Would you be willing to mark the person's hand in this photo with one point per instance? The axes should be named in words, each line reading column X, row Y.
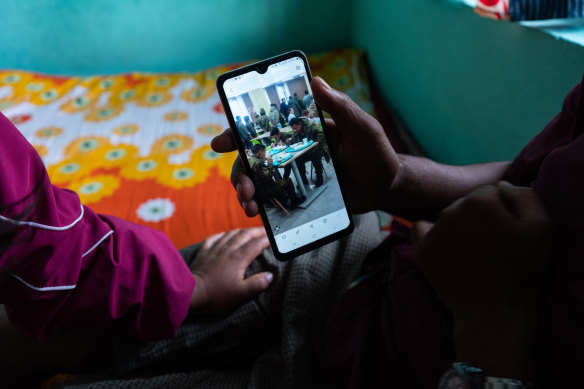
column 485, row 259
column 367, row 163
column 219, row 269
column 270, row 160
column 289, row 141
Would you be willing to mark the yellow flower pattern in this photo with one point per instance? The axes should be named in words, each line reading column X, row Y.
column 176, row 116
column 69, row 170
column 126, row 129
column 199, row 93
column 182, row 176
column 85, row 146
column 154, row 98
column 112, row 156
column 49, row 132
column 101, row 114
column 94, row 189
column 172, row 144
column 210, row 129
column 143, row 168
column 112, row 131
column 206, row 158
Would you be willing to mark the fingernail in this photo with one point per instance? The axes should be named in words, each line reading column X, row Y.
column 238, row 187
column 243, row 204
column 269, row 277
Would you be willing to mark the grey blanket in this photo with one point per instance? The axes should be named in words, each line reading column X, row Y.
column 265, row 343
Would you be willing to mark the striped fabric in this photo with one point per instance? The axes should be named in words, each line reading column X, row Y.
column 545, row 9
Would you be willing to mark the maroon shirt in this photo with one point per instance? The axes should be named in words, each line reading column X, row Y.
column 390, row 331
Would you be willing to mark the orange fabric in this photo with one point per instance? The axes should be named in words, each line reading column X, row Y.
column 136, row 145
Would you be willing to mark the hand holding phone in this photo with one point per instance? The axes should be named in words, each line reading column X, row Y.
column 365, row 157
column 299, row 213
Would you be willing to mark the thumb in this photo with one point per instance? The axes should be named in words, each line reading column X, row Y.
column 340, row 106
column 256, row 284
column 224, row 142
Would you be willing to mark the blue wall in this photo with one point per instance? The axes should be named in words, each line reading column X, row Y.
column 84, row 37
column 470, row 89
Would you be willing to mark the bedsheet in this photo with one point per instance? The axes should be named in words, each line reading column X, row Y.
column 137, row 145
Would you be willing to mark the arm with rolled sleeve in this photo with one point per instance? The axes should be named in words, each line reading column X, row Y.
column 68, row 268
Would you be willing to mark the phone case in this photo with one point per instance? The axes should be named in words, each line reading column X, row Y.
column 261, row 68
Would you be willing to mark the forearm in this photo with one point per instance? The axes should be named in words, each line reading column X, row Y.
column 423, row 187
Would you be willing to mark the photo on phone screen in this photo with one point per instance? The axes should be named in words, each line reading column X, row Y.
column 282, row 133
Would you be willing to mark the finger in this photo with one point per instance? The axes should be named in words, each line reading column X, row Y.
column 241, row 182
column 250, row 208
column 522, row 202
column 224, row 143
column 333, row 133
column 330, row 124
column 419, row 231
column 340, row 106
column 251, row 249
column 210, row 241
column 219, row 245
column 256, row 284
column 239, row 239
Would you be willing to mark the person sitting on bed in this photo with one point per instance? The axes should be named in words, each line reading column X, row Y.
column 487, row 281
column 66, row 269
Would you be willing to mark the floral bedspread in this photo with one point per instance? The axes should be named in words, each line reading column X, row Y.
column 137, row 145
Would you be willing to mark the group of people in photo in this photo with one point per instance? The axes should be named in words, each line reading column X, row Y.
column 295, row 121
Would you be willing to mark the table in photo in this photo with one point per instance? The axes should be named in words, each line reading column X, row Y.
column 267, row 134
column 313, row 193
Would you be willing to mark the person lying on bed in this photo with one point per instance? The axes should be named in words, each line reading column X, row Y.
column 65, row 268
column 489, row 283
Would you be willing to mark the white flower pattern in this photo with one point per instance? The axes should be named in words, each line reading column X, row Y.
column 156, row 210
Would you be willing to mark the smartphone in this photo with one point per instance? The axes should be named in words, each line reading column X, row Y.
column 285, row 151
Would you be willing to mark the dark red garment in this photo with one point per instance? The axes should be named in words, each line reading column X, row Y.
column 391, row 332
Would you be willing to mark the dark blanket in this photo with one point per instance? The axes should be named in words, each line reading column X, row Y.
column 267, row 342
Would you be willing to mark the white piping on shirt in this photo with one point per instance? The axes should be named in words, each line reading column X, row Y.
column 98, row 242
column 63, row 287
column 45, row 288
column 44, row 226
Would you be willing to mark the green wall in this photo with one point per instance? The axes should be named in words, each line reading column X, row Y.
column 84, row 37
column 469, row 89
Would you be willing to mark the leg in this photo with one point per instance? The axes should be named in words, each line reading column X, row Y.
column 301, row 163
column 287, row 186
column 287, row 170
column 318, row 168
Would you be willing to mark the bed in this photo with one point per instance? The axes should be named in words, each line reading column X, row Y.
column 137, row 146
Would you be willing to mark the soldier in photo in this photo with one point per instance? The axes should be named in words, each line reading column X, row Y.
column 280, row 138
column 250, row 126
column 243, row 132
column 268, row 185
column 305, row 128
column 264, row 120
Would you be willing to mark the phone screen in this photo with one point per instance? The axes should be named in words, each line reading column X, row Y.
column 282, row 133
